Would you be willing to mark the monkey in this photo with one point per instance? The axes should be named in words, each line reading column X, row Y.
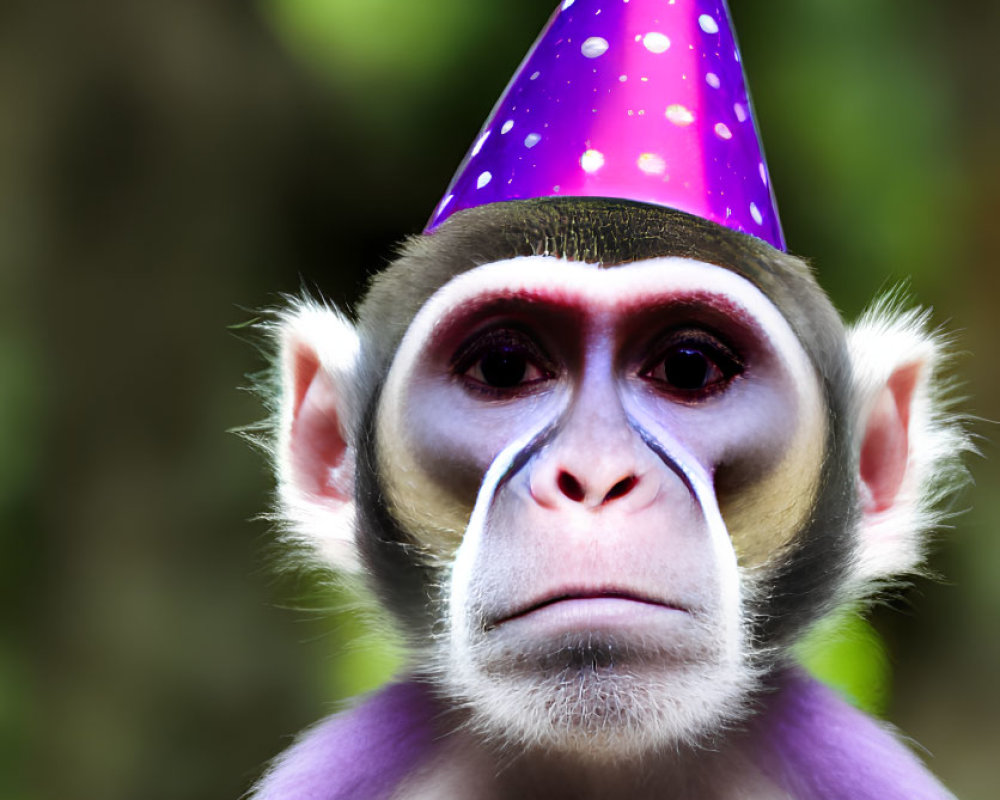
column 604, row 460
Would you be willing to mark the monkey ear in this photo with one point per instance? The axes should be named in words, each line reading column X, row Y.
column 910, row 445
column 316, row 422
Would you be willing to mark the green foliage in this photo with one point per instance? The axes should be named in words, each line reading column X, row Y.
column 847, row 654
column 366, row 660
column 860, row 124
column 345, row 41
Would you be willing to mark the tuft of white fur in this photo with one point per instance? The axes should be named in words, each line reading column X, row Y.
column 605, row 713
column 313, row 524
column 888, row 337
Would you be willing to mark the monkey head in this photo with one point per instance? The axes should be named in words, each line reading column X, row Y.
column 605, row 462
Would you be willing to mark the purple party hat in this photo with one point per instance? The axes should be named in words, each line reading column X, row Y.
column 631, row 99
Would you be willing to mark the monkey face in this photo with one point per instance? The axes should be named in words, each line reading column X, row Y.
column 602, row 460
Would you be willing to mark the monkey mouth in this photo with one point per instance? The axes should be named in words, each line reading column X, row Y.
column 603, row 604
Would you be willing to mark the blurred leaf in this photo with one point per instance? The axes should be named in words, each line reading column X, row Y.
column 366, row 660
column 847, row 654
column 348, row 40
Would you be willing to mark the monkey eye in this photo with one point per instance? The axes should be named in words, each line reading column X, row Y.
column 693, row 364
column 502, row 361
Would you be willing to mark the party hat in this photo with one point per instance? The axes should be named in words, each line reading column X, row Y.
column 632, row 99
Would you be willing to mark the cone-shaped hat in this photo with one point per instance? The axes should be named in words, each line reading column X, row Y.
column 632, row 99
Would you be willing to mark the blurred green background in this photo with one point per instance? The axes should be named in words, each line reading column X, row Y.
column 168, row 168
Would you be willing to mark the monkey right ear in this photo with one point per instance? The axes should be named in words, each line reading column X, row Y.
column 911, row 443
column 316, row 423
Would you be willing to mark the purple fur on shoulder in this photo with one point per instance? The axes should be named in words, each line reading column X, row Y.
column 821, row 749
column 360, row 754
column 827, row 750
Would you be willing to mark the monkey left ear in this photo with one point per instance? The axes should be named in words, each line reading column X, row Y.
column 910, row 446
column 315, row 449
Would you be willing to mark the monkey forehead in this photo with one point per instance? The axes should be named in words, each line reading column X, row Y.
column 594, row 289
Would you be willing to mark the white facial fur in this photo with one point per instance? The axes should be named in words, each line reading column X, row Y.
column 574, row 622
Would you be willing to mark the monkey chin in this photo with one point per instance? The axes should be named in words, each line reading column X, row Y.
column 595, row 697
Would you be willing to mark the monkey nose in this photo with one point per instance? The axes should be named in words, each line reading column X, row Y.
column 595, row 461
column 571, row 488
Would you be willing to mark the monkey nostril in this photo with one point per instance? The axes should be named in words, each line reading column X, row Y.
column 623, row 487
column 570, row 487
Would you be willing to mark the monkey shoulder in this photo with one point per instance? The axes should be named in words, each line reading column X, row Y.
column 822, row 748
column 808, row 741
column 362, row 753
